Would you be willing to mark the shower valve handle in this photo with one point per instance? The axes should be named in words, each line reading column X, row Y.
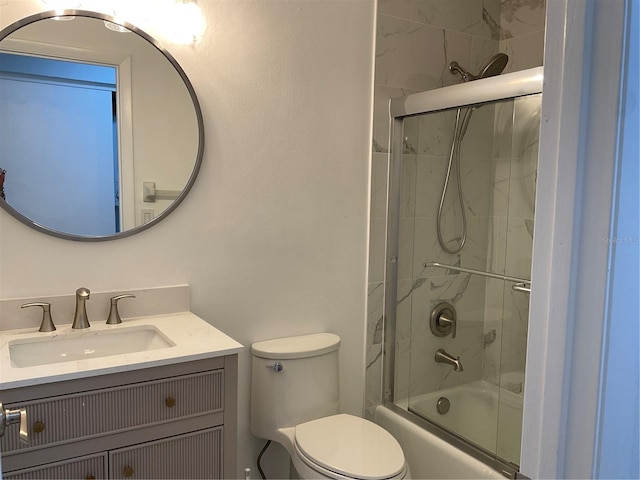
column 446, row 321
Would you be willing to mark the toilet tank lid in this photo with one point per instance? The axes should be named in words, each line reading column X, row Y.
column 302, row 346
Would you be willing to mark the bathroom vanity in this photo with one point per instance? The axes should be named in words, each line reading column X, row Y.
column 167, row 412
column 175, row 421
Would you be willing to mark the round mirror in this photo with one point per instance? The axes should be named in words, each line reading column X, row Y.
column 101, row 133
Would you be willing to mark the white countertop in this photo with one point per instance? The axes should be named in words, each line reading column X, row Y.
column 194, row 339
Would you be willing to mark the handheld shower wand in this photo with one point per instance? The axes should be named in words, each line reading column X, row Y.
column 494, row 66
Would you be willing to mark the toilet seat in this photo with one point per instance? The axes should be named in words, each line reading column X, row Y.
column 348, row 447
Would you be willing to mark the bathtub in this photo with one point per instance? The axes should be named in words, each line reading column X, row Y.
column 473, row 413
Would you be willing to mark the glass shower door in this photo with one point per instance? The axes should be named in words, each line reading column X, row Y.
column 464, row 370
column 518, row 248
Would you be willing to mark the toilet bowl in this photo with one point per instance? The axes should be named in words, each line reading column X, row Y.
column 345, row 446
column 294, row 401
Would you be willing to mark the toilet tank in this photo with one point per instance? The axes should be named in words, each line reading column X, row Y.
column 293, row 380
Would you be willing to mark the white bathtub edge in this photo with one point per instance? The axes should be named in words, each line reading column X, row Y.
column 429, row 456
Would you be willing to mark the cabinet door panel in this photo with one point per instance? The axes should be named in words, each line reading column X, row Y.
column 90, row 467
column 193, row 455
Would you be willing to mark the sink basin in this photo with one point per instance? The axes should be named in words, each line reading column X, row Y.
column 69, row 347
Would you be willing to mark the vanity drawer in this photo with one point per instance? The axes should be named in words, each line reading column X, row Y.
column 193, row 455
column 89, row 467
column 90, row 414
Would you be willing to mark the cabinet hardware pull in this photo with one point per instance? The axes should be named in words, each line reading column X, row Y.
column 170, row 402
column 38, row 427
column 128, row 472
column 9, row 417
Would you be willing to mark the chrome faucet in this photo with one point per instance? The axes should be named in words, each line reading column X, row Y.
column 444, row 357
column 80, row 319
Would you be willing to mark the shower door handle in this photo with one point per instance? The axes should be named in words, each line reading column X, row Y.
column 521, row 287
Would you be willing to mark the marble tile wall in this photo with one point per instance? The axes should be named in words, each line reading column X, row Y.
column 522, row 33
column 416, row 41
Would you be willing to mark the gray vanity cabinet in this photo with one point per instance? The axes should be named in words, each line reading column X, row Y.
column 174, row 421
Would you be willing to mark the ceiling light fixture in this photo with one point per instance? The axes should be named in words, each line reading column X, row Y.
column 62, row 4
column 182, row 21
column 179, row 21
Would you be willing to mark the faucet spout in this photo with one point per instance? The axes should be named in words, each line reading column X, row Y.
column 80, row 319
column 443, row 357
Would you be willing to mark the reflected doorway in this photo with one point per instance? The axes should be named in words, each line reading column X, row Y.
column 49, row 99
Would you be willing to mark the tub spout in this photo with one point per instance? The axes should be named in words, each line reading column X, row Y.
column 444, row 357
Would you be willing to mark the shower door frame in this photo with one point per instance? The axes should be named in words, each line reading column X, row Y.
column 502, row 87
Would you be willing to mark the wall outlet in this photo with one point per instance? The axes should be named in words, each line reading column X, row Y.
column 147, row 215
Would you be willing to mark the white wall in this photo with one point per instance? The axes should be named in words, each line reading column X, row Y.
column 273, row 236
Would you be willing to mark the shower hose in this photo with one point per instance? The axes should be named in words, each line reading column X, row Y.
column 454, row 157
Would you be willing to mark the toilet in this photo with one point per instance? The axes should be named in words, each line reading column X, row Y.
column 294, row 401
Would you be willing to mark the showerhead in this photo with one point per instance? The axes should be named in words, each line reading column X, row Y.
column 494, row 66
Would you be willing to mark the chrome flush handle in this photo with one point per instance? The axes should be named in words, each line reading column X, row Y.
column 278, row 367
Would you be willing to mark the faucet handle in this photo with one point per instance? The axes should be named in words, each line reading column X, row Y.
column 114, row 314
column 46, row 325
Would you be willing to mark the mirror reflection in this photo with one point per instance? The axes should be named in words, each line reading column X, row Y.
column 100, row 132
